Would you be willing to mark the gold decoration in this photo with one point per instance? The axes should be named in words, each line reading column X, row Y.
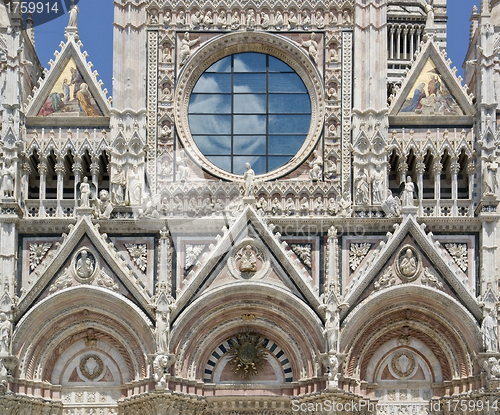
column 403, row 364
column 248, row 317
column 248, row 354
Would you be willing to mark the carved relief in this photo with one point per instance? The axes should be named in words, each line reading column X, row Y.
column 191, row 254
column 65, row 280
column 403, row 364
column 357, row 253
column 430, row 279
column 386, row 280
column 107, row 281
column 139, row 254
column 37, row 253
column 91, row 366
column 84, row 265
column 249, row 260
column 459, row 254
column 408, row 263
column 303, row 252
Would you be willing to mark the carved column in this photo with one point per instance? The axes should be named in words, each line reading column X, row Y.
column 42, row 170
column 391, row 50
column 454, row 168
column 402, row 169
column 471, row 169
column 436, row 170
column 165, row 256
column 332, row 251
column 60, row 170
column 25, row 180
column 405, row 42
column 398, row 43
column 412, row 42
column 420, row 169
column 78, row 171
column 94, row 169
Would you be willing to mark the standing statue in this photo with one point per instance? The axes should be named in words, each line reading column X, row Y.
column 8, row 174
column 407, row 193
column 5, row 334
column 489, row 332
column 312, row 46
column 316, row 166
column 490, row 180
column 430, row 15
column 362, row 188
column 162, row 330
column 331, row 330
column 377, row 186
column 85, row 193
column 134, row 188
column 249, row 184
column 117, row 185
column 183, row 171
column 73, row 15
column 186, row 48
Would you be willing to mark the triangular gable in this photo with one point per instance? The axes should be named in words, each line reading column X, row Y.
column 287, row 259
column 104, row 248
column 436, row 254
column 431, row 93
column 83, row 101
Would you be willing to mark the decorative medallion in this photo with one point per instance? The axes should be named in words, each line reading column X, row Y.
column 408, row 263
column 248, row 260
column 84, row 265
column 248, row 354
column 403, row 364
column 91, row 366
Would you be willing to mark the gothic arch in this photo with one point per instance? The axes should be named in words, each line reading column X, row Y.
column 434, row 318
column 66, row 318
column 217, row 315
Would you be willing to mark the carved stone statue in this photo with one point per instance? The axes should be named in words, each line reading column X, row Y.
column 162, row 331
column 73, row 15
column 104, row 206
column 85, row 193
column 185, row 50
column 264, row 20
column 362, row 189
column 5, row 334
column 235, row 21
column 490, row 179
column 183, row 171
column 250, row 19
column 320, row 20
column 377, row 186
column 134, row 188
column 196, row 20
column 278, row 20
column 118, row 185
column 316, row 166
column 292, row 20
column 407, row 195
column 249, row 178
column 8, row 174
column 332, row 329
column 161, row 366
column 408, row 264
column 391, row 206
column 306, row 20
column 430, row 15
column 248, row 261
column 85, row 265
column 312, row 46
column 489, row 332
column 221, row 20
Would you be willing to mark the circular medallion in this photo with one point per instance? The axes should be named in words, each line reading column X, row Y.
column 408, row 263
column 84, row 265
column 91, row 366
column 248, row 260
column 403, row 364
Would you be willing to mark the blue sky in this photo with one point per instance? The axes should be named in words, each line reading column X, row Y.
column 96, row 33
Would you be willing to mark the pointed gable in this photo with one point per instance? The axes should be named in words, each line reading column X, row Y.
column 432, row 265
column 431, row 93
column 70, row 94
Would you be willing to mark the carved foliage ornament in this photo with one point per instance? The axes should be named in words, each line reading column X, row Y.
column 303, row 252
column 91, row 366
column 357, row 253
column 248, row 354
column 192, row 252
column 139, row 254
column 37, row 253
column 459, row 254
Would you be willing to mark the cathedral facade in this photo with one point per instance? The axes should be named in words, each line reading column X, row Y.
column 286, row 207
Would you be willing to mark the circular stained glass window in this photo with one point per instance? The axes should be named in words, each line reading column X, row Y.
column 249, row 107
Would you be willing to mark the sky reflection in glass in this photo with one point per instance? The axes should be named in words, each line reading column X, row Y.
column 249, row 107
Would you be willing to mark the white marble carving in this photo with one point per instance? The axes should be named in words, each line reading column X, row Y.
column 37, row 253
column 357, row 252
column 192, row 253
column 139, row 254
column 303, row 252
column 459, row 254
column 386, row 280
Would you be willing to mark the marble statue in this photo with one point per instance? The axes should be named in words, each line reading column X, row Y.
column 248, row 260
column 407, row 195
column 73, row 15
column 183, row 170
column 104, row 206
column 490, row 180
column 362, row 188
column 391, row 206
column 85, row 265
column 332, row 329
column 312, row 46
column 264, row 20
column 5, row 334
column 292, row 20
column 250, row 19
column 249, row 181
column 377, row 186
column 489, row 332
column 85, row 193
column 7, row 175
column 162, row 330
column 320, row 20
column 134, row 188
column 316, row 166
column 430, row 15
column 185, row 49
column 118, row 183
column 408, row 265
